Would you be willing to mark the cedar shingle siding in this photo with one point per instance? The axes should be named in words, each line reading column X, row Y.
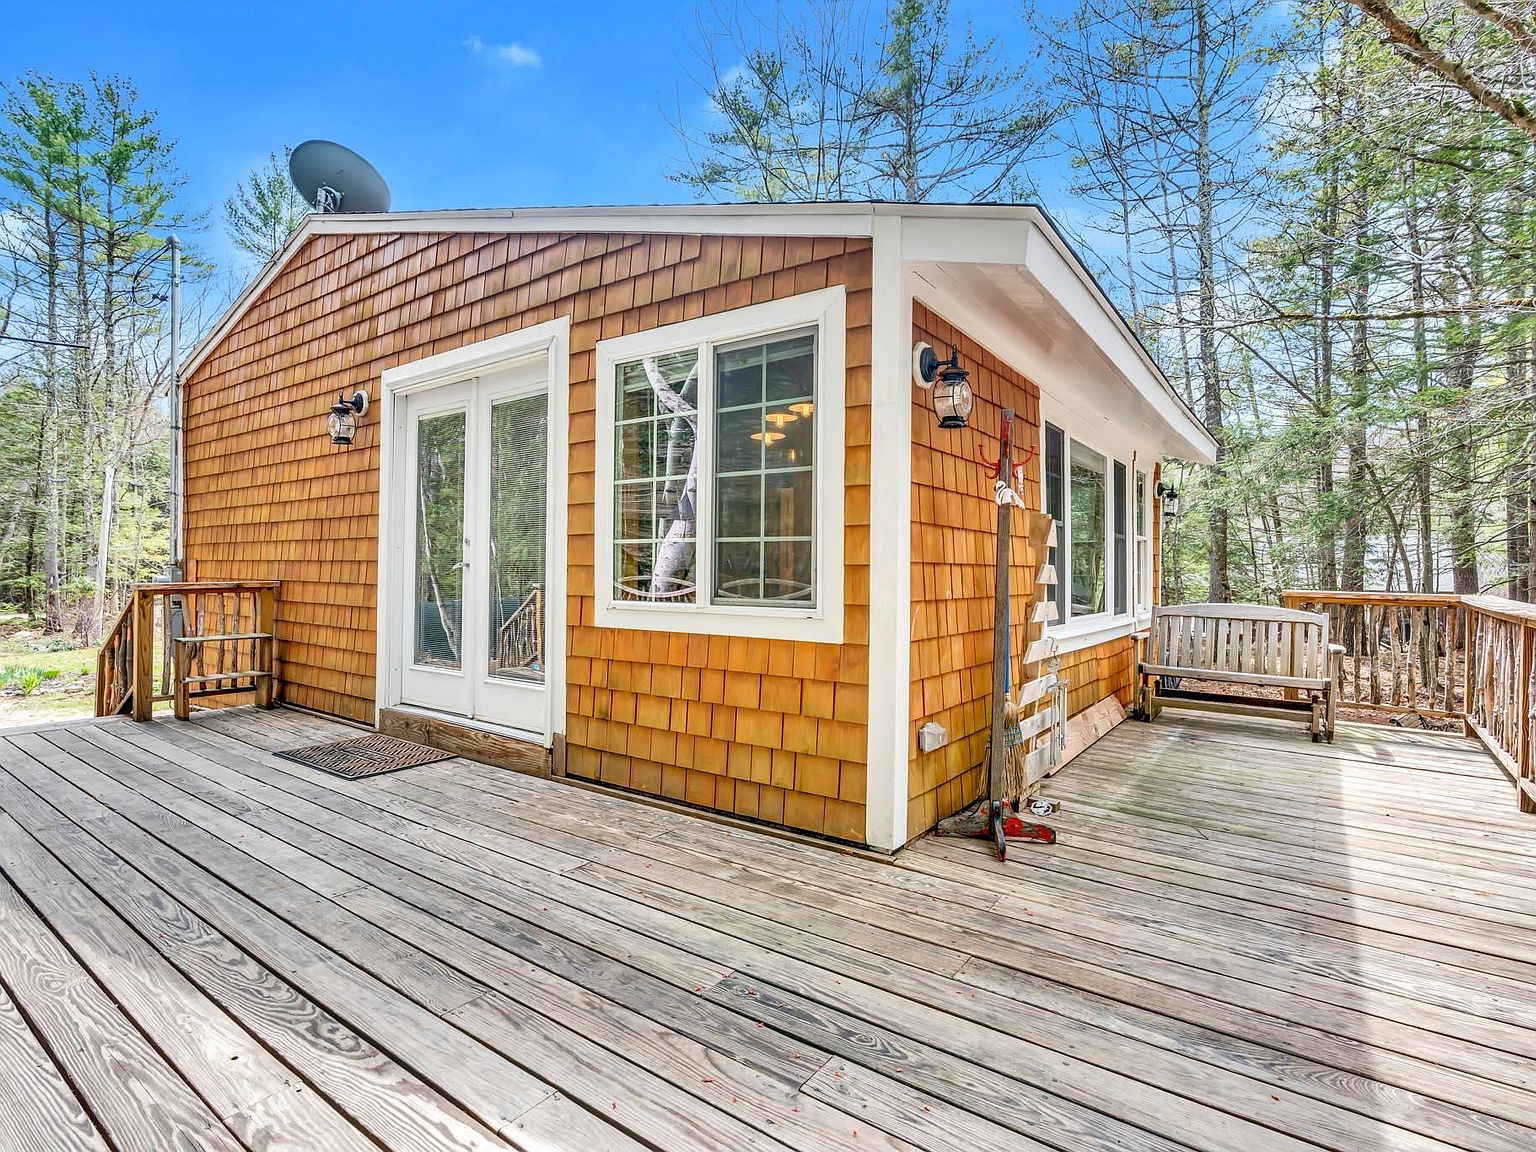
column 770, row 729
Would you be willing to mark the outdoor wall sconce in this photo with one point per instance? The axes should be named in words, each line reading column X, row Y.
column 952, row 399
column 341, row 424
column 1170, row 498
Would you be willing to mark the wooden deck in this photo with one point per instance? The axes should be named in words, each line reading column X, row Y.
column 1243, row 941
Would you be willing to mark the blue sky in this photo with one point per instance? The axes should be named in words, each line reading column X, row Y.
column 459, row 104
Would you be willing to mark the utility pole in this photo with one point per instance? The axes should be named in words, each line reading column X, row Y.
column 175, row 572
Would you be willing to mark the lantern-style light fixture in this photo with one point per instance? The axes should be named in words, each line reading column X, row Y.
column 341, row 424
column 1169, row 495
column 952, row 399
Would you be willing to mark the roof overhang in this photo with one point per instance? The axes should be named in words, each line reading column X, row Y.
column 1007, row 266
column 1023, row 293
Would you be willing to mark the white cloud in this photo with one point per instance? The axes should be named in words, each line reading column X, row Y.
column 512, row 54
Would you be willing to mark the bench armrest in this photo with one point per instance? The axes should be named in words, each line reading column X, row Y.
column 1335, row 649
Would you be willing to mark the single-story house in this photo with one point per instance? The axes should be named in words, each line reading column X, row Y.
column 652, row 491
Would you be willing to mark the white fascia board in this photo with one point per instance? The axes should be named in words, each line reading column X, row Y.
column 1024, row 237
column 1061, row 275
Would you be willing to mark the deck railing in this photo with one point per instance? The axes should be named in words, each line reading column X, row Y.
column 1402, row 651
column 185, row 641
column 1470, row 659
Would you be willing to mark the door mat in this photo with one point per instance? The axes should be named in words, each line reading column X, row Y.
column 365, row 756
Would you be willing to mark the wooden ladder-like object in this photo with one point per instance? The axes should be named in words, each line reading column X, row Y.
column 1042, row 690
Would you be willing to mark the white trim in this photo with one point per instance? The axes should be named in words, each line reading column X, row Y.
column 890, row 542
column 1095, row 630
column 1066, row 280
column 1142, row 504
column 827, row 310
column 550, row 341
column 1098, row 438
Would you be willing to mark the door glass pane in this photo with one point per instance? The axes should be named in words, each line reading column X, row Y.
column 519, row 473
column 440, row 539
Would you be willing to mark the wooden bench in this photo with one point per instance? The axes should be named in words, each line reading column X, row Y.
column 1241, row 644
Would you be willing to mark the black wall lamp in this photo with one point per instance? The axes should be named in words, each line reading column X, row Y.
column 1169, row 495
column 952, row 399
column 341, row 424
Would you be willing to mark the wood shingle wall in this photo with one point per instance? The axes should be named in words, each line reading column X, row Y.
column 770, row 729
column 954, row 537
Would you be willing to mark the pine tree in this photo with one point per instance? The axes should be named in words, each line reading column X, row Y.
column 264, row 210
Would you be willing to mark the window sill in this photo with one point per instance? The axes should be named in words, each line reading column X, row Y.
column 824, row 626
column 1075, row 635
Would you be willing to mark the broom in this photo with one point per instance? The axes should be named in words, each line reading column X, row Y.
column 1015, row 773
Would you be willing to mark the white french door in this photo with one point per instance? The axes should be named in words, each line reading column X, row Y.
column 475, row 472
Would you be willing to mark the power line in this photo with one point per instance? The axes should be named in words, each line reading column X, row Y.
column 47, row 343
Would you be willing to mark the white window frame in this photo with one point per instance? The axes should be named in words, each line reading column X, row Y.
column 1107, row 538
column 1074, row 632
column 1122, row 501
column 824, row 310
column 1141, row 534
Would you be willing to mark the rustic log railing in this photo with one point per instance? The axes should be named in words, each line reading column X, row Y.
column 1401, row 650
column 186, row 641
column 520, row 640
column 1500, row 669
column 1471, row 659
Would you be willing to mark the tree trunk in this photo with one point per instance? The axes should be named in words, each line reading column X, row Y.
column 1429, row 574
column 1355, row 521
column 1210, row 371
column 1327, row 540
column 53, row 606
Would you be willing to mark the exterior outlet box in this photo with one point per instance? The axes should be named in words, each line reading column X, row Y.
column 931, row 736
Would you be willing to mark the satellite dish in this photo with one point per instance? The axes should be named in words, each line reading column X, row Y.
column 332, row 178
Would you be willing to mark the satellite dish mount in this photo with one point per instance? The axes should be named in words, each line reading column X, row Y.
column 326, row 199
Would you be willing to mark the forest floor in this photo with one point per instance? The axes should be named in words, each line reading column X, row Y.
column 42, row 678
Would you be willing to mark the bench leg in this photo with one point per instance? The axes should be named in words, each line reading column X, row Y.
column 1330, row 715
column 1317, row 718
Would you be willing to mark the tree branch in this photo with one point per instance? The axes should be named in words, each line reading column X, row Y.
column 1400, row 32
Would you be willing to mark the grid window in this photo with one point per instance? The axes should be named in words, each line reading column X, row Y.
column 655, row 497
column 764, row 453
column 751, row 477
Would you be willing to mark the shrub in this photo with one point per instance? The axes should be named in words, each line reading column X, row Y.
column 25, row 680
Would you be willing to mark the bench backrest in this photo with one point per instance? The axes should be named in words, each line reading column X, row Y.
column 1250, row 638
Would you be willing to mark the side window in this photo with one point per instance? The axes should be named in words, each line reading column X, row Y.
column 1055, row 507
column 1143, row 547
column 1121, row 550
column 1087, row 530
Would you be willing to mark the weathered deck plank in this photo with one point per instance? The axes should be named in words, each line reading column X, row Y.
column 1242, row 940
